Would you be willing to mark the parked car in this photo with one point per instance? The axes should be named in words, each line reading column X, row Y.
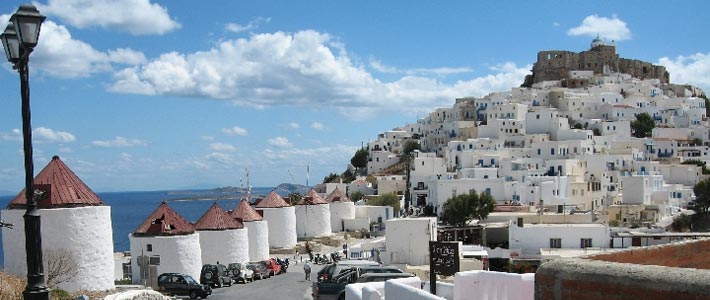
column 272, row 266
column 332, row 270
column 335, row 288
column 182, row 285
column 215, row 275
column 240, row 272
column 381, row 277
column 260, row 270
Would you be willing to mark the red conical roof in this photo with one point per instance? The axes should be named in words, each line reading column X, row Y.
column 312, row 198
column 245, row 213
column 62, row 189
column 215, row 218
column 164, row 221
column 272, row 200
column 337, row 196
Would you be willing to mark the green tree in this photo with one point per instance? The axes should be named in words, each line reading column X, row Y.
column 461, row 209
column 410, row 146
column 357, row 196
column 702, row 196
column 359, row 160
column 332, row 177
column 642, row 126
column 386, row 200
column 682, row 223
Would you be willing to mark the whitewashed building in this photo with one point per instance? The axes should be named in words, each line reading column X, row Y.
column 312, row 216
column 164, row 243
column 222, row 238
column 281, row 218
column 408, row 239
column 257, row 230
column 75, row 222
column 341, row 208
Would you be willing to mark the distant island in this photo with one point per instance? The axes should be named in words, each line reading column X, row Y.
column 234, row 193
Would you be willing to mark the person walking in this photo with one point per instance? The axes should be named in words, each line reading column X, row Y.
column 307, row 269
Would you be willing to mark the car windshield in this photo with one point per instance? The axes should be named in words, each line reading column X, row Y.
column 190, row 280
column 235, row 266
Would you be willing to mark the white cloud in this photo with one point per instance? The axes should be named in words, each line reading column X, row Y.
column 118, row 142
column 236, row 130
column 222, row 147
column 294, row 125
column 237, row 28
column 138, row 17
column 60, row 55
column 207, row 138
column 221, row 158
column 47, row 135
column 555, row 24
column 303, row 69
column 693, row 69
column 317, row 126
column 608, row 28
column 280, row 141
column 39, row 135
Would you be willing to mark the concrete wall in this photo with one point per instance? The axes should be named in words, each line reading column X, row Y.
column 84, row 232
column 224, row 246
column 179, row 254
column 689, row 254
column 482, row 285
column 400, row 289
column 408, row 240
column 313, row 220
column 340, row 211
column 258, row 233
column 282, row 226
column 374, row 212
column 595, row 279
column 357, row 224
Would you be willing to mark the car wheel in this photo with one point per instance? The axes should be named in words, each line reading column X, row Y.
column 219, row 283
column 193, row 295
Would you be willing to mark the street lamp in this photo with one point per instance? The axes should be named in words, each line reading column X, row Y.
column 19, row 39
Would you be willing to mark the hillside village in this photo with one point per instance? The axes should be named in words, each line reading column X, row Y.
column 560, row 157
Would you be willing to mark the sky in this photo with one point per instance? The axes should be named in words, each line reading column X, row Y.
column 158, row 95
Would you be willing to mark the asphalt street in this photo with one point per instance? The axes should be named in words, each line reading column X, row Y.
column 289, row 286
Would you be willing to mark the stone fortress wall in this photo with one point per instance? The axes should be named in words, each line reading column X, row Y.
column 600, row 58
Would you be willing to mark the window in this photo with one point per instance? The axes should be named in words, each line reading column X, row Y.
column 149, row 247
column 585, row 243
column 556, row 243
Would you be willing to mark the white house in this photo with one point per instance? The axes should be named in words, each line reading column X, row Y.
column 312, row 216
column 281, row 218
column 75, row 222
column 341, row 208
column 534, row 238
column 164, row 243
column 408, row 239
column 222, row 238
column 257, row 230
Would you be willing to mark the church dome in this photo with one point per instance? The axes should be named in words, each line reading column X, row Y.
column 597, row 42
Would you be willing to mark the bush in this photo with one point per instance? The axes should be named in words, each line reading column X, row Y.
column 11, row 287
column 58, row 294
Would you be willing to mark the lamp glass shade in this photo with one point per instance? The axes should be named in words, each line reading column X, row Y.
column 10, row 43
column 27, row 22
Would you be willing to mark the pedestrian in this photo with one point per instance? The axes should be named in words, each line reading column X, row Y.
column 309, row 251
column 307, row 269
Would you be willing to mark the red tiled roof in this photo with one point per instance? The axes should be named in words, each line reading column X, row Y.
column 245, row 213
column 312, row 198
column 164, row 221
column 62, row 189
column 337, row 196
column 215, row 218
column 272, row 200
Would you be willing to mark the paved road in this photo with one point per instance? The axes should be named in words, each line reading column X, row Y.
column 289, row 286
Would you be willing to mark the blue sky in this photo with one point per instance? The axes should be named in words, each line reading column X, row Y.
column 151, row 95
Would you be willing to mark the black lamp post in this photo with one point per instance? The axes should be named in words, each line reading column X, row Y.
column 19, row 39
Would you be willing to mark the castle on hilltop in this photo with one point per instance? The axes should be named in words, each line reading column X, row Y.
column 601, row 58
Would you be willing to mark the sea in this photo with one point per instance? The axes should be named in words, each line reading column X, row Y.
column 130, row 209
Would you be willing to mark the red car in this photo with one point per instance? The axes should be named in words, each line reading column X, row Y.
column 272, row 266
